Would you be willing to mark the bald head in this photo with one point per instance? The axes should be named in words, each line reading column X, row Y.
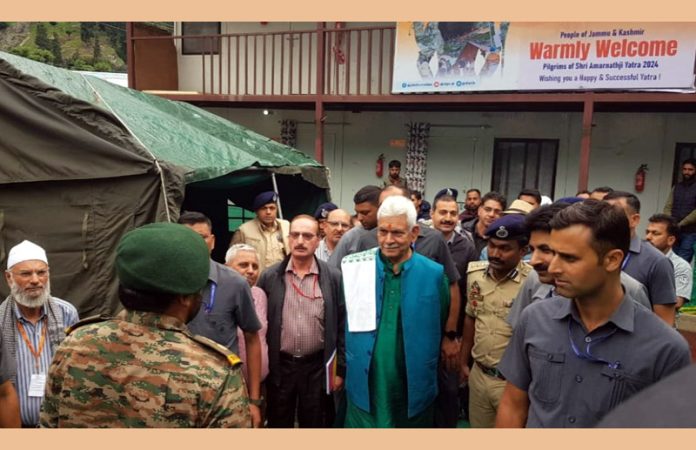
column 337, row 223
column 392, row 190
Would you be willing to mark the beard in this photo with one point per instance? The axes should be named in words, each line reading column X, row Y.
column 24, row 299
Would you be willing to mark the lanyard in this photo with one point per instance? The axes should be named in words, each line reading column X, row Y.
column 299, row 291
column 211, row 302
column 35, row 353
column 626, row 260
column 587, row 354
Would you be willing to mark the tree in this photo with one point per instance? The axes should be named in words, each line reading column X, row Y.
column 42, row 40
column 96, row 53
column 87, row 30
column 57, row 53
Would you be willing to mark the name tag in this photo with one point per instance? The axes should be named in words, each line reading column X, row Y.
column 37, row 385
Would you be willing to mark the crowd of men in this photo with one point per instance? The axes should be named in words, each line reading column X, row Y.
column 408, row 314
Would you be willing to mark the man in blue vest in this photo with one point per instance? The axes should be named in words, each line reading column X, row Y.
column 397, row 302
column 681, row 205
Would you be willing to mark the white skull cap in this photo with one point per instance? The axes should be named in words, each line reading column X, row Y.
column 26, row 251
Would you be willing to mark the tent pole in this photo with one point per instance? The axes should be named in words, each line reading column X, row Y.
column 275, row 189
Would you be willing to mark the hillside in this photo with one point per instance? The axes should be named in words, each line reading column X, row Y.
column 97, row 46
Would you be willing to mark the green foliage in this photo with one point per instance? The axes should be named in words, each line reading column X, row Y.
column 103, row 66
column 96, row 50
column 37, row 54
column 74, row 45
column 56, row 50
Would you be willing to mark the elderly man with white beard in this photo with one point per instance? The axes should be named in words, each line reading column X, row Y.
column 33, row 325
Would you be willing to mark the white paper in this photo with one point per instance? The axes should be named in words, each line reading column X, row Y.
column 37, row 385
column 359, row 289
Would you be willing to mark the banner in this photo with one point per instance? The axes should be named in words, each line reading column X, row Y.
column 505, row 56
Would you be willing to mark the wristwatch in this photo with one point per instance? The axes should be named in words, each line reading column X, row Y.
column 257, row 401
column 451, row 335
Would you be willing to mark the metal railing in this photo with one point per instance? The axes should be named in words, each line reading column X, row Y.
column 357, row 61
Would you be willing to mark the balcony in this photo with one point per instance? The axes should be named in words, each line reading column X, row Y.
column 287, row 65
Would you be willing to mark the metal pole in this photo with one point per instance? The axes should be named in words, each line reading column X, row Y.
column 275, row 189
column 588, row 110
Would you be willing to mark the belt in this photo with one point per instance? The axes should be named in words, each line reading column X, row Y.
column 312, row 357
column 490, row 371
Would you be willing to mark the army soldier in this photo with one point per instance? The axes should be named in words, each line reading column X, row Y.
column 492, row 286
column 143, row 368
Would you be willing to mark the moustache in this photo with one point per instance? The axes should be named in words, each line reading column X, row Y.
column 446, row 222
column 541, row 267
column 299, row 247
column 495, row 260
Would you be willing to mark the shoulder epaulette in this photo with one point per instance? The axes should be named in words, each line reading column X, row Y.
column 475, row 266
column 87, row 321
column 211, row 344
column 525, row 268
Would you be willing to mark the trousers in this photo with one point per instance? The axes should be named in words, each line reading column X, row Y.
column 300, row 394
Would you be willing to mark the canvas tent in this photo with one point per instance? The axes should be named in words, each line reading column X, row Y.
column 83, row 161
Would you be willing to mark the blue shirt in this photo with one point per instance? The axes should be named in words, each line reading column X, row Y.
column 29, row 407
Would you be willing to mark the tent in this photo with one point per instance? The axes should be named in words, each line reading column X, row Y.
column 83, row 161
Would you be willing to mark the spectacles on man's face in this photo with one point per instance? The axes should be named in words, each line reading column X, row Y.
column 337, row 224
column 306, row 236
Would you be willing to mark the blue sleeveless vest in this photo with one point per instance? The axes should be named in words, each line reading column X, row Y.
column 422, row 324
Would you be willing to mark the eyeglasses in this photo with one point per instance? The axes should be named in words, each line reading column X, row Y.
column 489, row 210
column 27, row 274
column 305, row 236
column 339, row 224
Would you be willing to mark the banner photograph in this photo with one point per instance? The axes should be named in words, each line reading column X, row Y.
column 506, row 56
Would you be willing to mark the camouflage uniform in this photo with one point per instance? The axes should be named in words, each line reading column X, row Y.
column 429, row 41
column 143, row 369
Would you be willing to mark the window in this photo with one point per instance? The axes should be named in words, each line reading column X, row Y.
column 524, row 163
column 200, row 45
column 236, row 216
column 682, row 152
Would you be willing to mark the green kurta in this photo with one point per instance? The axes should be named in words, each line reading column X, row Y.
column 387, row 379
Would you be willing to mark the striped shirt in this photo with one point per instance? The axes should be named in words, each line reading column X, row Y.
column 302, row 331
column 29, row 407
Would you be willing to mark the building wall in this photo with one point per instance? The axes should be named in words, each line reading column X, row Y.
column 463, row 157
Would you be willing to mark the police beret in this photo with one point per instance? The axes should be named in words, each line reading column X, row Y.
column 508, row 228
column 264, row 198
column 569, row 200
column 163, row 258
column 323, row 210
column 452, row 192
column 519, row 207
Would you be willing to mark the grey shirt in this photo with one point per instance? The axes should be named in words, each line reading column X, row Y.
column 653, row 269
column 573, row 378
column 346, row 246
column 227, row 304
column 533, row 289
column 683, row 276
column 7, row 364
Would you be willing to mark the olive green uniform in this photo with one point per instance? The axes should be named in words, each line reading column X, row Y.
column 489, row 303
column 143, row 369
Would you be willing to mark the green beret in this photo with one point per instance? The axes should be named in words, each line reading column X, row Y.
column 163, row 258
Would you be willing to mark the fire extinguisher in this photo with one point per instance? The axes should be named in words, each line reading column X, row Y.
column 379, row 169
column 640, row 177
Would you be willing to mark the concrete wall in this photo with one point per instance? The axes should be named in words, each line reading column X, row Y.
column 463, row 157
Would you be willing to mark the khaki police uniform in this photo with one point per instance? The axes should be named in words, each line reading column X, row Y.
column 271, row 244
column 489, row 303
